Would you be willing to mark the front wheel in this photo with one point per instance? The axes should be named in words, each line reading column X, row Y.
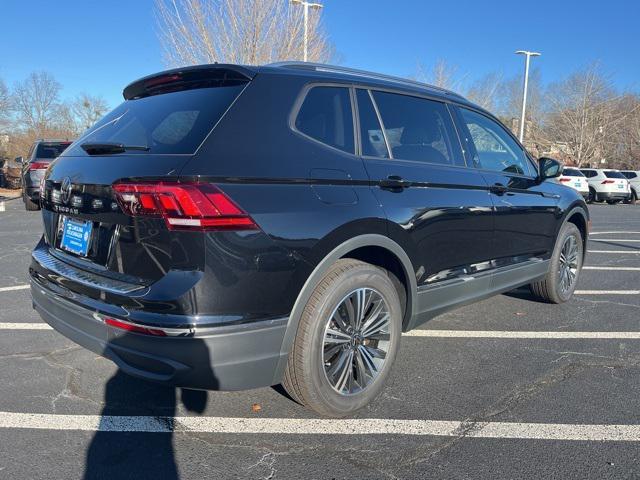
column 347, row 340
column 566, row 262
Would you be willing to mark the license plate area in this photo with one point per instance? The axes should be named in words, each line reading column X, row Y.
column 76, row 235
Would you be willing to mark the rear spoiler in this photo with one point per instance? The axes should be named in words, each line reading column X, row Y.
column 186, row 78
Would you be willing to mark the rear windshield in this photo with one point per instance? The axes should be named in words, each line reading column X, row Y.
column 611, row 174
column 572, row 172
column 170, row 123
column 51, row 150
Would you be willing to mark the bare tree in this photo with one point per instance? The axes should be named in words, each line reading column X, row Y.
column 584, row 114
column 5, row 105
column 442, row 74
column 87, row 110
column 237, row 31
column 486, row 91
column 36, row 102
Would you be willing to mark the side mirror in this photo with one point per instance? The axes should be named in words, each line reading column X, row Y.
column 19, row 160
column 549, row 168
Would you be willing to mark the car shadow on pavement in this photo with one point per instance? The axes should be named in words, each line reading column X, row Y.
column 119, row 454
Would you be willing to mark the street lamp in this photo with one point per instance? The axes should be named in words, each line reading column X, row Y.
column 307, row 5
column 527, row 55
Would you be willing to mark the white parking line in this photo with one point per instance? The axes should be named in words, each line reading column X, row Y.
column 627, row 240
column 15, row 287
column 525, row 335
column 614, row 251
column 299, row 426
column 611, row 232
column 604, row 267
column 25, row 326
column 607, row 292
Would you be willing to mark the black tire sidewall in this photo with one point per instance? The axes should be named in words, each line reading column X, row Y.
column 361, row 276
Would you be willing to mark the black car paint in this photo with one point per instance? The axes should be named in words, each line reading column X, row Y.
column 309, row 200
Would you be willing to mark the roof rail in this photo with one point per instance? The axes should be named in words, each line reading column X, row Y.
column 322, row 67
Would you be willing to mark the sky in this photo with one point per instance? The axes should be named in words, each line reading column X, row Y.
column 99, row 47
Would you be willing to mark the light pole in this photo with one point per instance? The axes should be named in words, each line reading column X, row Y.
column 527, row 55
column 307, row 5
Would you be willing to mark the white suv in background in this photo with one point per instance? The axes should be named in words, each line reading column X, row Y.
column 634, row 182
column 606, row 185
column 574, row 178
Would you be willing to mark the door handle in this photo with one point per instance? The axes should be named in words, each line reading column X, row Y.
column 394, row 182
column 498, row 189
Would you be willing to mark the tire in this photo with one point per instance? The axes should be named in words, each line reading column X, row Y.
column 633, row 199
column 612, row 202
column 29, row 204
column 592, row 196
column 551, row 289
column 311, row 362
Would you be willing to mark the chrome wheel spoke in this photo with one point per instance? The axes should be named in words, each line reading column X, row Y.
column 568, row 264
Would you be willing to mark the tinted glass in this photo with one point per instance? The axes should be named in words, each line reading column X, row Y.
column 589, row 173
column 630, row 174
column 51, row 150
column 572, row 172
column 170, row 123
column 325, row 115
column 493, row 148
column 612, row 174
column 373, row 144
column 418, row 129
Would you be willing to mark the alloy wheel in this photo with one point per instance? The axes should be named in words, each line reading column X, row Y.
column 356, row 341
column 568, row 269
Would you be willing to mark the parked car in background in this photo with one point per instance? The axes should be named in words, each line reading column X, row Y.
column 574, row 178
column 40, row 155
column 634, row 182
column 232, row 227
column 606, row 184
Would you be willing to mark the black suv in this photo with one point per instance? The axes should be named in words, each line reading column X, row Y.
column 230, row 227
column 40, row 155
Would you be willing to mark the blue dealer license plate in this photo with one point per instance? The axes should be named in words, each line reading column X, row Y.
column 76, row 236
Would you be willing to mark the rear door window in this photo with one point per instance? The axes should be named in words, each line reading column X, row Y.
column 630, row 175
column 326, row 116
column 418, row 129
column 491, row 147
column 168, row 123
column 371, row 136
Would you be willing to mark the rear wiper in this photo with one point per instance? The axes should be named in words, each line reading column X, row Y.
column 110, row 148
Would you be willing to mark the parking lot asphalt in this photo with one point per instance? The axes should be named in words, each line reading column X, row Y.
column 506, row 388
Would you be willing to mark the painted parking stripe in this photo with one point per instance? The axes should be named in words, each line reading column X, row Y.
column 614, row 251
column 524, row 335
column 625, row 240
column 604, row 267
column 24, row 326
column 612, row 232
column 298, row 426
column 440, row 333
column 15, row 287
column 607, row 292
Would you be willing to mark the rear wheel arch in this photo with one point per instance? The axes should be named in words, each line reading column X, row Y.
column 371, row 248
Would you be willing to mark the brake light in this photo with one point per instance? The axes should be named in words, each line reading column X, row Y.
column 605, row 182
column 129, row 327
column 565, row 179
column 184, row 206
column 38, row 165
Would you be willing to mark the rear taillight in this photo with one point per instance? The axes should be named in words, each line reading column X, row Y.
column 184, row 206
column 605, row 182
column 38, row 165
column 565, row 179
column 130, row 327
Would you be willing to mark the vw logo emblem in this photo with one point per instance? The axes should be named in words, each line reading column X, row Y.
column 65, row 190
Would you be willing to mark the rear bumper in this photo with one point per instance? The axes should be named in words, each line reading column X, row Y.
column 614, row 195
column 234, row 357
